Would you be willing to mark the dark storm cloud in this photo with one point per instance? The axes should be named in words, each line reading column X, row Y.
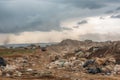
column 82, row 22
column 90, row 4
column 19, row 17
column 44, row 15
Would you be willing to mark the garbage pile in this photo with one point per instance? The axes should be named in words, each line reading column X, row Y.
column 100, row 65
column 87, row 57
column 99, row 57
column 21, row 67
column 104, row 66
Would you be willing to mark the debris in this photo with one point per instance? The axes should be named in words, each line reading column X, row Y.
column 94, row 70
column 88, row 63
column 0, row 73
column 2, row 62
column 17, row 74
column 43, row 48
column 10, row 68
column 117, row 69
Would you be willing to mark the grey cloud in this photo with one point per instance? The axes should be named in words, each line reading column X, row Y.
column 109, row 12
column 100, row 37
column 102, row 18
column 90, row 36
column 75, row 26
column 115, row 10
column 110, row 1
column 24, row 19
column 118, row 9
column 82, row 22
column 65, row 28
column 115, row 16
column 44, row 15
column 90, row 4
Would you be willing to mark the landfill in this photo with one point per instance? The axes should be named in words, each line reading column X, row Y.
column 68, row 60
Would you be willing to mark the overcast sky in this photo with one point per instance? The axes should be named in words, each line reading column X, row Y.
column 31, row 21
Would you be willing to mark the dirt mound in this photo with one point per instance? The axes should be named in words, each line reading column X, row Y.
column 95, row 49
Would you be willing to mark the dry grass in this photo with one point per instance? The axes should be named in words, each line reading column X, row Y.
column 9, row 52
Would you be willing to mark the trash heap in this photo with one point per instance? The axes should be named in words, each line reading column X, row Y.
column 87, row 56
column 103, row 66
column 71, row 62
column 22, row 67
column 100, row 59
column 100, row 65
